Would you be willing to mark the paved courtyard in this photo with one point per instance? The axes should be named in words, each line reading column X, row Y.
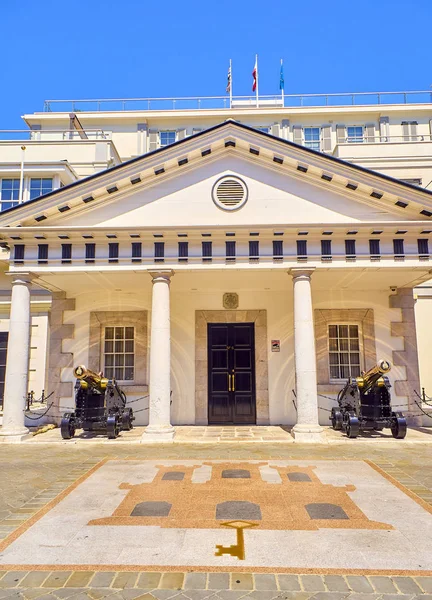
column 222, row 520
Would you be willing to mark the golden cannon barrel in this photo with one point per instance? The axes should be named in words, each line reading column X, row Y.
column 90, row 378
column 374, row 375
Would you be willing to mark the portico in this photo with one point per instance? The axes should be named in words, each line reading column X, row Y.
column 231, row 288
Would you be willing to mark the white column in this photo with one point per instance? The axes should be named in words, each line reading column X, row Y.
column 159, row 428
column 17, row 362
column 307, row 428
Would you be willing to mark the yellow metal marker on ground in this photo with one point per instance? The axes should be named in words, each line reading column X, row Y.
column 239, row 548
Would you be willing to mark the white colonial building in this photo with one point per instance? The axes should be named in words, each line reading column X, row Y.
column 236, row 264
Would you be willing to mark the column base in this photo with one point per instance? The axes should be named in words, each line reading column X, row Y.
column 14, row 436
column 308, row 434
column 154, row 434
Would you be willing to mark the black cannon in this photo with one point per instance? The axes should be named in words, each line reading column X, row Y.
column 365, row 405
column 100, row 405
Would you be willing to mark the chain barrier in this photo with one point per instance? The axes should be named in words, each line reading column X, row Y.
column 40, row 415
column 423, row 412
column 423, row 398
column 73, row 409
column 57, row 414
column 294, row 399
column 408, row 412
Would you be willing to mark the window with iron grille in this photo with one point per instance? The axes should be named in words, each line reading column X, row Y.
column 302, row 249
column 9, row 193
column 40, row 186
column 167, row 138
column 42, row 254
column 374, row 249
column 207, row 251
column 113, row 252
column 119, row 353
column 398, row 248
column 326, row 252
column 277, row 249
column 19, row 254
column 254, row 250
column 3, row 355
column 90, row 252
column 355, row 134
column 230, row 250
column 136, row 251
column 423, row 247
column 183, row 251
column 66, row 253
column 159, row 251
column 350, row 249
column 344, row 351
column 312, row 137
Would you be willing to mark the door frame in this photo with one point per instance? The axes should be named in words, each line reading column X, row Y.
column 232, row 398
column 259, row 318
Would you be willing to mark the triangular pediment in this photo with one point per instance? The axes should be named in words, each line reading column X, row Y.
column 175, row 186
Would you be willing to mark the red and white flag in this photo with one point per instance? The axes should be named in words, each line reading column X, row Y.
column 255, row 74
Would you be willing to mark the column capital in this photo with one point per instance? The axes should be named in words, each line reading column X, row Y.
column 161, row 275
column 21, row 278
column 305, row 272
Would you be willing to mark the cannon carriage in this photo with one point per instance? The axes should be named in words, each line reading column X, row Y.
column 100, row 405
column 364, row 404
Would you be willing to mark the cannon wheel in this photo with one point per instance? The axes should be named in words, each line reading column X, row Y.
column 67, row 426
column 398, row 426
column 113, row 427
column 352, row 426
column 127, row 419
column 336, row 419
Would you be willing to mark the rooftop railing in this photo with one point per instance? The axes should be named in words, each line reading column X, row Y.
column 223, row 102
column 51, row 135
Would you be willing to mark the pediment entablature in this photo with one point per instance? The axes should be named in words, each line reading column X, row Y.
column 198, row 158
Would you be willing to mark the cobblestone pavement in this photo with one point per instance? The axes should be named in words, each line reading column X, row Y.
column 32, row 475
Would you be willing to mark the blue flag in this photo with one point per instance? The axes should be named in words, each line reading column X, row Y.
column 281, row 80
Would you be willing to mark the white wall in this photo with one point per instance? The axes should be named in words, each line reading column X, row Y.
column 38, row 347
column 204, row 291
column 186, row 200
column 137, row 298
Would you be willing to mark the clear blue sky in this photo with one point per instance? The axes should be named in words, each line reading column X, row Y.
column 133, row 48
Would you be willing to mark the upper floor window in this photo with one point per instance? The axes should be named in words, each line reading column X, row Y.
column 312, row 137
column 9, row 193
column 409, row 131
column 167, row 138
column 40, row 186
column 355, row 134
column 119, row 353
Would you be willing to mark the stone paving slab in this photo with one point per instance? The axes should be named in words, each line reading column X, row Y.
column 45, row 473
column 265, row 434
column 213, row 585
column 331, row 506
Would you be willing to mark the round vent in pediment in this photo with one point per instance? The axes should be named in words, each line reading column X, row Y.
column 230, row 192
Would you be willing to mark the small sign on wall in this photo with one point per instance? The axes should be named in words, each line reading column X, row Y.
column 275, row 345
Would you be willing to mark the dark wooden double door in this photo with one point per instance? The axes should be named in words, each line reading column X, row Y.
column 231, row 374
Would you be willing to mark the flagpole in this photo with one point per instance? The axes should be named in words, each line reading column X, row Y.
column 256, row 62
column 231, row 84
column 283, row 86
